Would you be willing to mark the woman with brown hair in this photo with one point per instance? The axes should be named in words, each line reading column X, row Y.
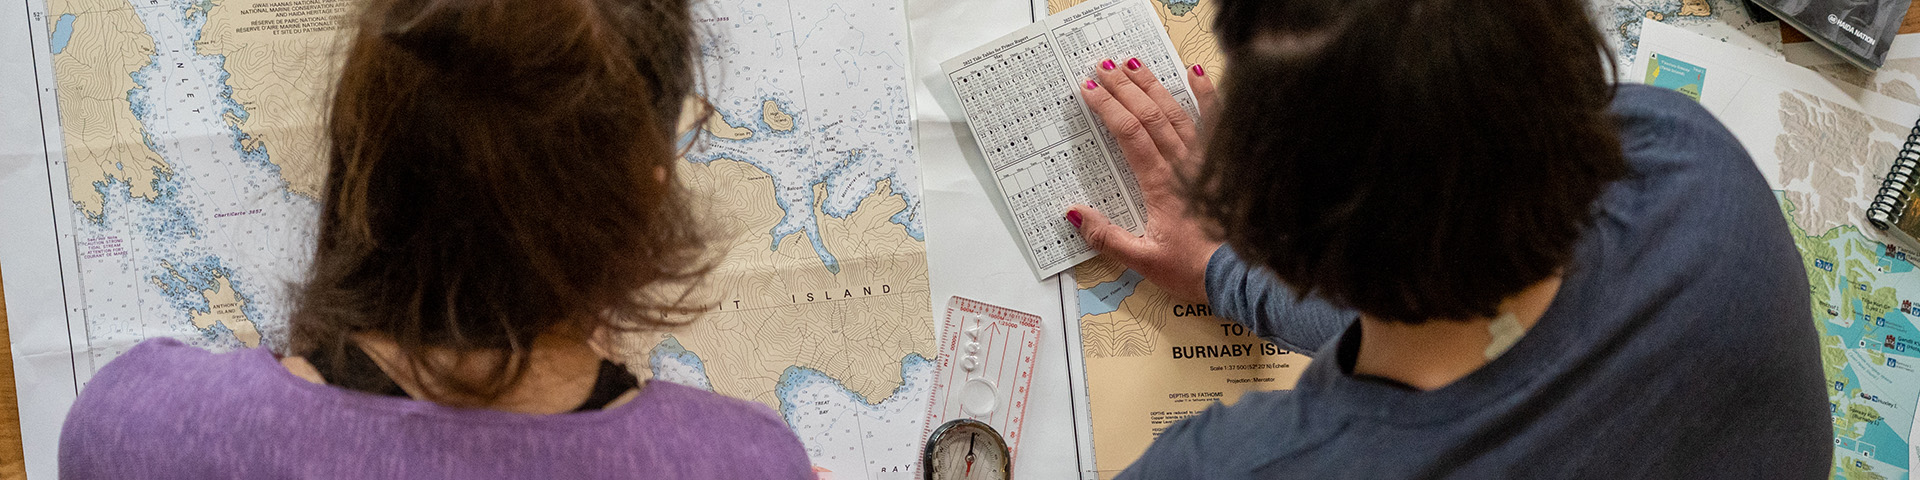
column 1504, row 264
column 500, row 202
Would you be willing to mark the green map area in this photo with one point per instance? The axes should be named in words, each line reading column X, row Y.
column 1868, row 343
column 1683, row 77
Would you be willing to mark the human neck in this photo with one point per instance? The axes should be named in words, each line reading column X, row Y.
column 560, row 373
column 1437, row 353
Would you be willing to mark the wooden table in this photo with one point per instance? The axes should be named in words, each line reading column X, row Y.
column 13, row 462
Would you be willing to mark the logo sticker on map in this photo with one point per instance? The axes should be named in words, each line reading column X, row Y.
column 1673, row 74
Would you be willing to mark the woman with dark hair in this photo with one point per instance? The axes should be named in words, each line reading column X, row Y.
column 500, row 202
column 1504, row 265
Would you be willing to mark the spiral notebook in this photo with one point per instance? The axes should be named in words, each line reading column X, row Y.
column 1896, row 209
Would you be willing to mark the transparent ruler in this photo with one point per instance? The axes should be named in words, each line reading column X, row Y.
column 985, row 367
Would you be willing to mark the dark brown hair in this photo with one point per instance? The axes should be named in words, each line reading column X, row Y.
column 1412, row 159
column 502, row 170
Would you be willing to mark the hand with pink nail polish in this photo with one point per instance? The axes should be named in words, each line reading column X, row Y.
column 1157, row 137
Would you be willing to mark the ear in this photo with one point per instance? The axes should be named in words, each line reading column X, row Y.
column 601, row 341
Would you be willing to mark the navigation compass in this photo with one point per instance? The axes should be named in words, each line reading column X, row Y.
column 967, row 449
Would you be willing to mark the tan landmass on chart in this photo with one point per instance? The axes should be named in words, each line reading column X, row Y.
column 779, row 120
column 280, row 77
column 1133, row 379
column 695, row 107
column 1830, row 162
column 1845, row 73
column 1192, row 35
column 104, row 141
column 1902, row 77
column 1900, row 90
column 1097, row 271
column 1894, row 79
column 719, row 127
column 1191, row 29
column 1137, row 383
column 855, row 326
column 173, row 273
column 1688, row 8
column 1133, row 330
column 224, row 306
column 1695, row 8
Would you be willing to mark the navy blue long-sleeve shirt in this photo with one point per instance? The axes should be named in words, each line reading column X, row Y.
column 1680, row 344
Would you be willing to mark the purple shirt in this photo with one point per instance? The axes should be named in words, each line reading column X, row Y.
column 168, row 410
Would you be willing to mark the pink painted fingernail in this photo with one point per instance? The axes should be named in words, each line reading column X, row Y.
column 1133, row 64
column 1091, row 85
column 1107, row 65
column 1199, row 70
column 1073, row 217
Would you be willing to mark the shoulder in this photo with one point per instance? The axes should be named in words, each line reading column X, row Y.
column 1696, row 231
column 679, row 400
column 1634, row 98
column 758, row 443
column 1695, row 211
column 161, row 375
column 1690, row 179
column 149, row 372
column 142, row 399
column 1646, row 105
column 1225, row 441
column 1662, row 131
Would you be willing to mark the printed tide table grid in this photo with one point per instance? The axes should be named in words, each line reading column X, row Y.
column 12, row 463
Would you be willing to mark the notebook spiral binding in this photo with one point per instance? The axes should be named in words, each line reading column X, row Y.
column 1890, row 204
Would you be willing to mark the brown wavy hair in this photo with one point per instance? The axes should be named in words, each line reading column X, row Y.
column 502, row 170
column 1412, row 159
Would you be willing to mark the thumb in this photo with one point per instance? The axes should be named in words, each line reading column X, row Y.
column 1107, row 238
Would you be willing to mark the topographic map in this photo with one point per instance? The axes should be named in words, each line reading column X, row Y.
column 822, row 306
column 1831, row 159
column 193, row 156
column 1824, row 147
column 1151, row 360
column 1189, row 23
column 1723, row 20
column 1899, row 77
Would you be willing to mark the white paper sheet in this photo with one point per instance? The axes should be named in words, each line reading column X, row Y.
column 971, row 250
column 1046, row 149
column 1899, row 77
column 29, row 252
column 1823, row 145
